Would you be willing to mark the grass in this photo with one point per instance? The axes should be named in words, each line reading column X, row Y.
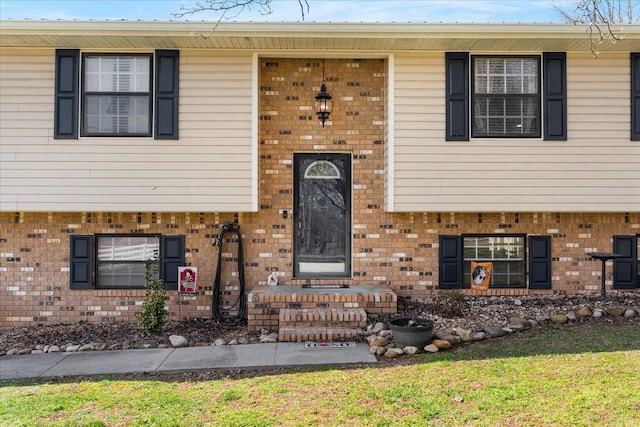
column 581, row 375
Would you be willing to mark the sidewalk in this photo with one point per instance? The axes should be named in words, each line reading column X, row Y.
column 178, row 359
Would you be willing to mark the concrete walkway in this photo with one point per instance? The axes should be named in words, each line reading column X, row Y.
column 179, row 359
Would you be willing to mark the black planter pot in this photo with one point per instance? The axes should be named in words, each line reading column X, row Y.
column 416, row 332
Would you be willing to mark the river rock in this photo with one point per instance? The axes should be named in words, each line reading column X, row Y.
column 559, row 318
column 495, row 331
column 446, row 336
column 87, row 347
column 410, row 350
column 392, row 353
column 374, row 329
column 442, row 344
column 597, row 313
column 463, row 334
column 431, row 348
column 146, row 345
column 541, row 318
column 629, row 313
column 220, row 341
column 571, row 315
column 379, row 342
column 72, row 348
column 178, row 341
column 477, row 336
column 515, row 326
column 269, row 339
column 584, row 312
column 53, row 349
column 615, row 310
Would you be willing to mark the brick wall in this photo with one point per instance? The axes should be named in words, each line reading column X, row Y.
column 397, row 250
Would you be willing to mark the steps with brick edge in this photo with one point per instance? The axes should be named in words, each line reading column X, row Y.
column 321, row 324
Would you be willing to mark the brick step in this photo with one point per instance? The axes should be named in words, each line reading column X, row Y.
column 317, row 334
column 322, row 318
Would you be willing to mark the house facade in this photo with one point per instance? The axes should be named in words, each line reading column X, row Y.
column 449, row 147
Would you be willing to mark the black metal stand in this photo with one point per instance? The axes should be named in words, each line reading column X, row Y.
column 604, row 257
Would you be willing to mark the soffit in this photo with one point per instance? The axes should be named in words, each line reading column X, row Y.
column 366, row 37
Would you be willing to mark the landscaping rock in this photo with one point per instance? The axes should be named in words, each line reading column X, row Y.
column 410, row 350
column 431, row 348
column 615, row 311
column 146, row 345
column 502, row 312
column 584, row 312
column 463, row 334
column 477, row 336
column 559, row 318
column 376, row 328
column 446, row 336
column 442, row 344
column 269, row 338
column 495, row 331
column 392, row 353
column 379, row 342
column 178, row 341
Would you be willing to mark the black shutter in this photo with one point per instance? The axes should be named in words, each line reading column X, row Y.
column 166, row 96
column 457, row 87
column 450, row 251
column 635, row 96
column 81, row 262
column 555, row 95
column 625, row 268
column 539, row 262
column 172, row 258
column 65, row 110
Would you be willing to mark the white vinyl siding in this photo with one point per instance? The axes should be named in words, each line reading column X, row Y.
column 208, row 169
column 596, row 169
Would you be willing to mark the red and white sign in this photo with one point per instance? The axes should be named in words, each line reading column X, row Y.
column 187, row 279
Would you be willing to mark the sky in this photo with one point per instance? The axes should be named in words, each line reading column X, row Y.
column 431, row 11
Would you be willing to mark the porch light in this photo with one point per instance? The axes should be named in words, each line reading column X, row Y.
column 323, row 105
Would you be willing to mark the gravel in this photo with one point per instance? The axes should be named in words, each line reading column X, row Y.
column 473, row 313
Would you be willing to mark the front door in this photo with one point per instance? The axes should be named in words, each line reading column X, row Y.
column 322, row 215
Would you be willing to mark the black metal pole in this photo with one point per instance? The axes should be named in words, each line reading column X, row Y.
column 603, row 291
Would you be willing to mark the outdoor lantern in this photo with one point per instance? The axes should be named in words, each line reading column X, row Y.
column 323, row 105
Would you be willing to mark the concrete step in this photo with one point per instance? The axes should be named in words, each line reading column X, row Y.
column 322, row 318
column 297, row 334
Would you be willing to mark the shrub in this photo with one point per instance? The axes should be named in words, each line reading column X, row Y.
column 451, row 304
column 152, row 316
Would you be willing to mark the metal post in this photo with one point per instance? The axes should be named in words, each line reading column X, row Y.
column 603, row 291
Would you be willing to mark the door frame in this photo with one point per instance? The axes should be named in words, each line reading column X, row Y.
column 348, row 158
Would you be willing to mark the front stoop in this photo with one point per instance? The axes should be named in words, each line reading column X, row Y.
column 323, row 324
column 306, row 314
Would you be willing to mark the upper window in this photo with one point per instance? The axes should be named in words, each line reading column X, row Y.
column 116, row 95
column 505, row 253
column 122, row 260
column 506, row 96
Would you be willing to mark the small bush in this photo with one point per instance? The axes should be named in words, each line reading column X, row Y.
column 152, row 316
column 451, row 304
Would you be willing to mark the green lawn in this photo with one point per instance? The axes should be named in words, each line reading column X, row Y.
column 580, row 375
